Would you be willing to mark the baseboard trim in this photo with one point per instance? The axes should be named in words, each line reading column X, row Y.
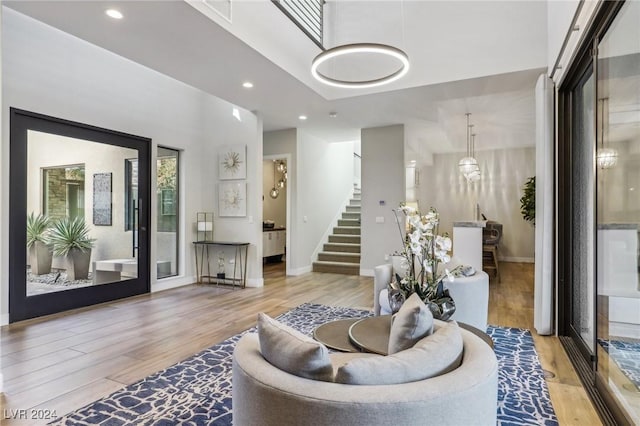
column 517, row 259
column 255, row 282
column 169, row 283
column 4, row 319
column 300, row 271
column 366, row 272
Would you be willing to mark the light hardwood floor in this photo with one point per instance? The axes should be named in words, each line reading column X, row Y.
column 65, row 361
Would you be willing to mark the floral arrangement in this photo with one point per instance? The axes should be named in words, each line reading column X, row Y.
column 423, row 251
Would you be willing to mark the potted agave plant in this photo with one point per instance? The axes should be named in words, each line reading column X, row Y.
column 70, row 239
column 37, row 243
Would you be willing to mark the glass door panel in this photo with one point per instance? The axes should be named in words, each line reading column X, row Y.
column 618, row 209
column 582, row 214
column 77, row 182
column 76, row 237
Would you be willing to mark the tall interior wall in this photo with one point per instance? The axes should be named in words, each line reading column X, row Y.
column 90, row 85
column 383, row 188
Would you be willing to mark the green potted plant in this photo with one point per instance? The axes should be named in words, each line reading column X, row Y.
column 37, row 243
column 528, row 201
column 70, row 239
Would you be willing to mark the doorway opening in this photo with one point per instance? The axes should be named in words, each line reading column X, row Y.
column 275, row 216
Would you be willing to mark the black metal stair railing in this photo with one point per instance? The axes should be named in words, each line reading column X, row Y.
column 306, row 14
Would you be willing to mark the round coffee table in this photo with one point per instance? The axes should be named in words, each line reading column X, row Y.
column 335, row 335
column 371, row 334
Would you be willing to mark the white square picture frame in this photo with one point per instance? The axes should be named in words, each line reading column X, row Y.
column 232, row 199
column 232, row 162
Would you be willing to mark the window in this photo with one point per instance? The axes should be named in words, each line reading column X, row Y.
column 63, row 191
column 131, row 193
column 167, row 207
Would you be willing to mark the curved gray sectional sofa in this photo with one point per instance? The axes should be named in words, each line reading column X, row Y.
column 266, row 395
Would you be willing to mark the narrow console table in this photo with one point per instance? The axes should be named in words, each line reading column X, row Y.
column 239, row 265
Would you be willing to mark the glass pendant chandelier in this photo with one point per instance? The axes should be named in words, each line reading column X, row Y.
column 274, row 191
column 467, row 164
column 605, row 157
column 473, row 175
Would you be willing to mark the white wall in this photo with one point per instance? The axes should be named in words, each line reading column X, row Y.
column 325, row 182
column 498, row 193
column 383, row 181
column 559, row 17
column 221, row 128
column 50, row 72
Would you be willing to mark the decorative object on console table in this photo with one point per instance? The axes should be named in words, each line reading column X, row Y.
column 232, row 162
column 239, row 273
column 423, row 250
column 221, row 274
column 204, row 223
column 232, row 199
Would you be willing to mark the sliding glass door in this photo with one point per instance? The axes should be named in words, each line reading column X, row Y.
column 77, row 237
column 618, row 210
column 582, row 215
column 599, row 213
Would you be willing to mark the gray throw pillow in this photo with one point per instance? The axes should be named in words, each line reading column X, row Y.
column 437, row 354
column 411, row 323
column 292, row 351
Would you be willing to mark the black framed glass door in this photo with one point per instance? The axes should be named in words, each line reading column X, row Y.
column 598, row 260
column 72, row 240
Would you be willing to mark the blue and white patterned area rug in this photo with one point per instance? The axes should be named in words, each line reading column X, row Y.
column 626, row 355
column 197, row 391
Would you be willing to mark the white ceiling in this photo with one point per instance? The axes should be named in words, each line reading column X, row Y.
column 481, row 57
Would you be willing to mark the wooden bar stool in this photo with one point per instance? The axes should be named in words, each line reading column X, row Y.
column 490, row 260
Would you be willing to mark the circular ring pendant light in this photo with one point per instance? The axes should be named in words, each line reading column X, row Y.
column 349, row 49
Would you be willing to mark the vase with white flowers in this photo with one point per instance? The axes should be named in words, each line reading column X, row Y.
column 424, row 250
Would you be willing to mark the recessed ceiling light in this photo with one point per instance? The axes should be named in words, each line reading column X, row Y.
column 247, row 84
column 113, row 13
column 302, row 117
column 333, row 114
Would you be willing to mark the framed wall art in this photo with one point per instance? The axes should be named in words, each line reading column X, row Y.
column 232, row 162
column 232, row 199
column 102, row 199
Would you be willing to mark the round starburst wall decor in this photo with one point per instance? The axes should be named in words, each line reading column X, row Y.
column 232, row 163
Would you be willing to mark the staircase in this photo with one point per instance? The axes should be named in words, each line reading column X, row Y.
column 341, row 254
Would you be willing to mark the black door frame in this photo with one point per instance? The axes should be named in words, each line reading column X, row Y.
column 22, row 307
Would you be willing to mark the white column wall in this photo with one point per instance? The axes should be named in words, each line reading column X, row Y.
column 54, row 73
column 383, row 188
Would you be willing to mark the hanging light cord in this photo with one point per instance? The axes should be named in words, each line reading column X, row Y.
column 468, row 133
